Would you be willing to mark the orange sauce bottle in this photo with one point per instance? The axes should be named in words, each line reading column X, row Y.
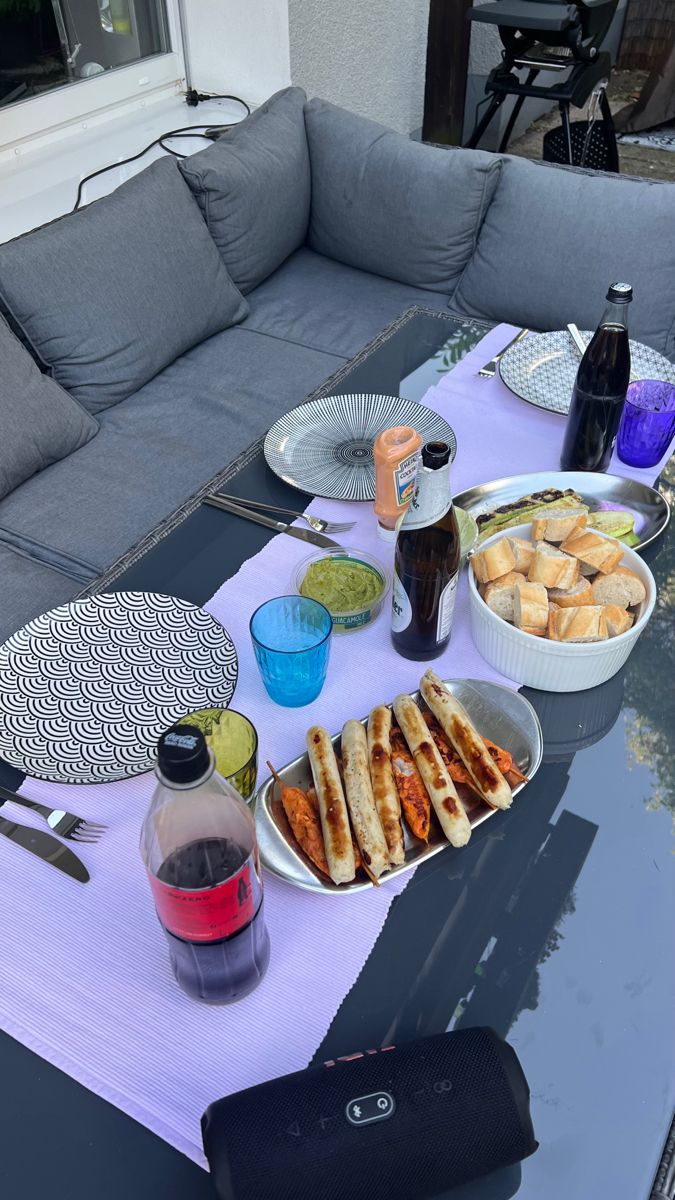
column 396, row 453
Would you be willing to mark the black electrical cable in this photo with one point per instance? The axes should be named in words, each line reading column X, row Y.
column 193, row 98
column 205, row 130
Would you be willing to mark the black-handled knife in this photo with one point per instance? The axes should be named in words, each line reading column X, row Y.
column 46, row 847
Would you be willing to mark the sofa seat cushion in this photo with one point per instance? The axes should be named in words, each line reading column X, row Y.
column 110, row 295
column 156, row 448
column 39, row 422
column 386, row 204
column 554, row 239
column 28, row 589
column 253, row 187
column 322, row 303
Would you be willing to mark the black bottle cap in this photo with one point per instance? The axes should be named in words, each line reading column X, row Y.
column 435, row 455
column 620, row 293
column 182, row 754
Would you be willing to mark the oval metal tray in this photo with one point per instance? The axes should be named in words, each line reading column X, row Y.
column 499, row 713
column 651, row 509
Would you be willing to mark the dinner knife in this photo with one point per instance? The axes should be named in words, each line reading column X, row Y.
column 46, row 847
column 305, row 535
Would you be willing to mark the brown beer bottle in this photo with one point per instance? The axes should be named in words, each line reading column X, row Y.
column 426, row 561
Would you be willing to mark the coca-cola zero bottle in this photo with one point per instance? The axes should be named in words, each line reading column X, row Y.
column 199, row 847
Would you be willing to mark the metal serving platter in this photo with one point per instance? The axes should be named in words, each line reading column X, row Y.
column 504, row 716
column 650, row 508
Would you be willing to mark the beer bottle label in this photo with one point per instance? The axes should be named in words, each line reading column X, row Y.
column 446, row 608
column 401, row 609
column 431, row 499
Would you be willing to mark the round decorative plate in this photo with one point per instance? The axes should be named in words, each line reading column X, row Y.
column 543, row 367
column 325, row 447
column 86, row 689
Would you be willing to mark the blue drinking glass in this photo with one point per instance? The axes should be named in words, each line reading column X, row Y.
column 647, row 422
column 291, row 641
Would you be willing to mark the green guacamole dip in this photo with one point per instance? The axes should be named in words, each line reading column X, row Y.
column 342, row 584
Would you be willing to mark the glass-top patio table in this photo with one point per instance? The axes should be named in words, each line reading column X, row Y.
column 554, row 926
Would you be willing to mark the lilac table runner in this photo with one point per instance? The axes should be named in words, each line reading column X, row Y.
column 84, row 976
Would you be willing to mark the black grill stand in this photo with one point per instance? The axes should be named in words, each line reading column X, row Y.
column 549, row 36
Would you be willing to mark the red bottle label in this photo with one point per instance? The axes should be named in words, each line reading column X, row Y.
column 209, row 914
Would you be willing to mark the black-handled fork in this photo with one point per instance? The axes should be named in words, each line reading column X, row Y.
column 65, row 824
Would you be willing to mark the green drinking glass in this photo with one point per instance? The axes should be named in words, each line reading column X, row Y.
column 234, row 741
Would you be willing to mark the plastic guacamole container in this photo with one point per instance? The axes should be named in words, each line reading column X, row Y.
column 350, row 583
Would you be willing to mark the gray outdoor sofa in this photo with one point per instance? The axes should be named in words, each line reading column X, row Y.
column 166, row 326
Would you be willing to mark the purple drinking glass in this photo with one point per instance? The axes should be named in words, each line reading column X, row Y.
column 647, row 423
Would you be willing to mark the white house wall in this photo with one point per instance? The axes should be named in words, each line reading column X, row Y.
column 368, row 57
column 238, row 46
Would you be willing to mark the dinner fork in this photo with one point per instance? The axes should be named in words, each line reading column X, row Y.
column 315, row 523
column 490, row 368
column 65, row 824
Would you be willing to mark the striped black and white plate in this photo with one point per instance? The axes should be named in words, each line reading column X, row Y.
column 86, row 689
column 325, row 447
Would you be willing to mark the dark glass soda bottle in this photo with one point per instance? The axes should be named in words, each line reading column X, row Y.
column 199, row 847
column 600, row 389
column 426, row 561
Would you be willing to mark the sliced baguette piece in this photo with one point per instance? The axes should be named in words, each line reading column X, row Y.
column 464, row 737
column 584, row 624
column 498, row 595
column 552, row 568
column 551, row 631
column 493, row 561
column 573, row 597
column 530, row 606
column 523, row 552
column 558, row 524
column 623, row 588
column 594, row 553
column 618, row 620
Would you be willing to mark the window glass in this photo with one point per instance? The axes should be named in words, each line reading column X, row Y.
column 46, row 44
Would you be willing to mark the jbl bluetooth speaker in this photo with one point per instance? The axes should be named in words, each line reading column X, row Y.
column 401, row 1123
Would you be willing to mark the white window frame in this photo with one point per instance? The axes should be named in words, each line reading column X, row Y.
column 73, row 102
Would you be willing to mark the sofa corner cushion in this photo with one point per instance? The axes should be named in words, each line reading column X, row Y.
column 110, row 295
column 553, row 240
column 392, row 206
column 39, row 422
column 253, row 187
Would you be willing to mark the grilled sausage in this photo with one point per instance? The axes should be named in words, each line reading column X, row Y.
column 332, row 806
column 454, row 721
column 442, row 792
column 385, row 794
column 360, row 800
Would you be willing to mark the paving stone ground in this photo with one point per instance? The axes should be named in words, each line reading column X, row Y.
column 634, row 160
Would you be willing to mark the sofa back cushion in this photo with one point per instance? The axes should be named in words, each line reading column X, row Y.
column 39, row 422
column 110, row 295
column 253, row 188
column 552, row 241
column 395, row 207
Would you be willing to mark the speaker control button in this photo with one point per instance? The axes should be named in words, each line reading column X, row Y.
column 365, row 1109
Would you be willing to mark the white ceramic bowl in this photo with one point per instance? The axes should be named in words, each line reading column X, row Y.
column 554, row 666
